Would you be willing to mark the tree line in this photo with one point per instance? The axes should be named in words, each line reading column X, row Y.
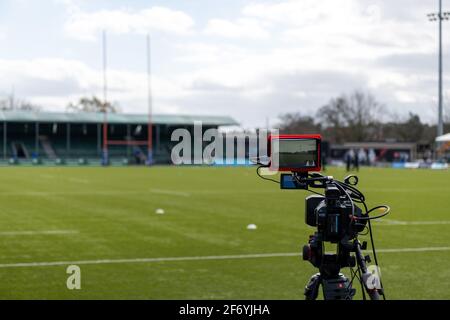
column 10, row 103
column 84, row 104
column 359, row 117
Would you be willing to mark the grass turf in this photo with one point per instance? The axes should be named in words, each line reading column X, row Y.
column 207, row 211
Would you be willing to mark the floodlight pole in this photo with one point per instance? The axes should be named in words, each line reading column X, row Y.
column 440, row 17
column 105, row 101
column 150, row 104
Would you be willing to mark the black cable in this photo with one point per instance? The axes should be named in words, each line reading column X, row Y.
column 262, row 177
column 363, row 291
column 351, row 201
column 278, row 182
column 352, row 272
column 366, row 229
column 388, row 210
column 374, row 251
column 358, row 195
column 361, row 197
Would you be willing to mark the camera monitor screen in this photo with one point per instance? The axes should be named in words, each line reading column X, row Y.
column 295, row 153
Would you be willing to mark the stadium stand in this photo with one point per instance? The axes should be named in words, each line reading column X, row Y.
column 49, row 138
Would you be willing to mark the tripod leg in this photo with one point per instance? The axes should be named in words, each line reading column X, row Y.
column 312, row 288
column 370, row 281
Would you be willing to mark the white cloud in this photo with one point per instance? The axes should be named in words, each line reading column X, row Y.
column 241, row 28
column 346, row 36
column 55, row 82
column 405, row 96
column 203, row 53
column 339, row 45
column 87, row 25
column 304, row 52
column 287, row 12
column 360, row 26
column 3, row 33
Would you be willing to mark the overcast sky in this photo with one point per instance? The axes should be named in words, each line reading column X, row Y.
column 249, row 59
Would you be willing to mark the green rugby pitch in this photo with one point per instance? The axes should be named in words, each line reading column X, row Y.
column 104, row 220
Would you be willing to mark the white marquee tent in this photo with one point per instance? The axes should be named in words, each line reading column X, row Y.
column 444, row 138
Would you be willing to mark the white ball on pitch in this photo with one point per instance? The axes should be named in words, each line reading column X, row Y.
column 159, row 211
column 252, row 227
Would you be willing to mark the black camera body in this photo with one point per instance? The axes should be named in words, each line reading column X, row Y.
column 335, row 216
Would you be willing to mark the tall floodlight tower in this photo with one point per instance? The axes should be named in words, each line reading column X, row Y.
column 440, row 16
column 150, row 104
column 105, row 159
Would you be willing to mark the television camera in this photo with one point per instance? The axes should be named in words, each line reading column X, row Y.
column 339, row 215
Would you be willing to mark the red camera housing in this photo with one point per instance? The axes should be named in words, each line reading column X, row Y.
column 285, row 139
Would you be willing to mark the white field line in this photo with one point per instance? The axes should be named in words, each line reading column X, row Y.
column 425, row 249
column 47, row 176
column 74, row 193
column 194, row 258
column 93, row 193
column 170, row 192
column 32, row 233
column 389, row 222
column 78, row 180
column 128, row 192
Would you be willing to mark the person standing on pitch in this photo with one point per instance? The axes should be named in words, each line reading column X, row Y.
column 349, row 158
column 356, row 161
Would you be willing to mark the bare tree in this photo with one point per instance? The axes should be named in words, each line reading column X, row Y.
column 409, row 129
column 359, row 117
column 332, row 118
column 352, row 118
column 296, row 122
column 11, row 104
column 93, row 104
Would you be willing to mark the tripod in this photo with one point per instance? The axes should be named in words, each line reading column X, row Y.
column 339, row 221
column 334, row 284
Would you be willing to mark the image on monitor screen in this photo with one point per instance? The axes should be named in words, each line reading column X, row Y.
column 298, row 153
